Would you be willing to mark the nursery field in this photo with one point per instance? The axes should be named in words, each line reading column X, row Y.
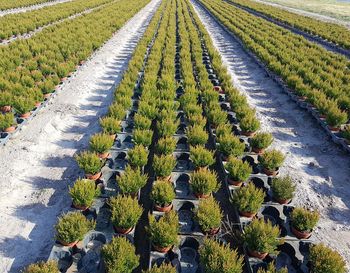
column 166, row 136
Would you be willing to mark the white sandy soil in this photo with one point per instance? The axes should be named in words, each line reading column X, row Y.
column 319, row 166
column 37, row 166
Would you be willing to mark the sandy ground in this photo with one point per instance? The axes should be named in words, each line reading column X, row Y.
column 308, row 13
column 37, row 165
column 319, row 166
column 33, row 7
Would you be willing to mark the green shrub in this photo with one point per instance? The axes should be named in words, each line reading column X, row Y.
column 261, row 236
column 345, row 133
column 238, row 170
column 163, row 165
column 217, row 116
column 131, row 181
column 119, row 256
column 231, row 145
column 335, row 117
column 6, row 98
column 201, row 157
column 216, row 258
column 72, row 227
column 84, row 192
column 198, row 120
column 167, row 127
column 163, row 268
column 204, row 182
column 208, row 214
column 249, row 123
column 325, row 260
column 117, row 112
column 283, row 188
column 126, row 211
column 272, row 269
column 23, row 105
column 162, row 193
column 141, row 122
column 148, row 110
column 43, row 267
column 110, row 125
column 166, row 145
column 249, row 198
column 304, row 220
column 223, row 129
column 272, row 160
column 163, row 233
column 101, row 143
column 261, row 141
column 89, row 162
column 138, row 156
column 244, row 110
column 6, row 121
column 196, row 135
column 124, row 101
column 142, row 137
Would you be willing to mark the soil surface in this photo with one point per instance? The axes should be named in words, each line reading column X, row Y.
column 37, row 165
column 320, row 168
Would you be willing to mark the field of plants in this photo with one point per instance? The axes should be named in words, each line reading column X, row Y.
column 133, row 144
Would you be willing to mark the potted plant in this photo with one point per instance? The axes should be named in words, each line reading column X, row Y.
column 201, row 157
column 167, row 127
column 196, row 135
column 260, row 142
column 271, row 161
column 162, row 195
column 23, row 106
column 138, row 156
column 163, row 233
column 208, row 215
column 271, row 268
column 261, row 238
column 7, row 122
column 163, row 165
column 142, row 122
column 223, row 129
column 110, row 126
column 6, row 100
column 199, row 120
column 166, row 146
column 283, row 189
column 230, row 145
column 345, row 133
column 303, row 222
column 249, row 124
column 216, row 116
column 126, row 212
column 335, row 117
column 238, row 171
column 131, row 181
column 142, row 137
column 101, row 144
column 248, row 200
column 119, row 256
column 216, row 257
column 72, row 227
column 91, row 164
column 203, row 182
column 117, row 112
column 83, row 193
column 324, row 259
column 43, row 267
column 163, row 268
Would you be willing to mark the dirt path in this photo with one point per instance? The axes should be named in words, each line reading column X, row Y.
column 33, row 7
column 37, row 166
column 321, row 168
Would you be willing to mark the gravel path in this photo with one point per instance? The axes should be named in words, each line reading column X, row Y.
column 320, row 167
column 37, row 165
column 33, row 7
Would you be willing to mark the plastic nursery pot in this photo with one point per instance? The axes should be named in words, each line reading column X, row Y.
column 258, row 151
column 301, row 234
column 82, row 208
column 270, row 172
column 10, row 129
column 163, row 209
column 25, row 115
column 81, row 62
column 122, row 230
column 212, row 231
column 234, row 182
column 103, row 155
column 63, row 79
column 164, row 178
column 69, row 244
column 37, row 104
column 113, row 136
column 247, row 133
column 46, row 96
column 6, row 109
column 201, row 195
column 93, row 176
column 162, row 249
column 247, row 214
column 282, row 201
column 334, row 129
column 256, row 254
